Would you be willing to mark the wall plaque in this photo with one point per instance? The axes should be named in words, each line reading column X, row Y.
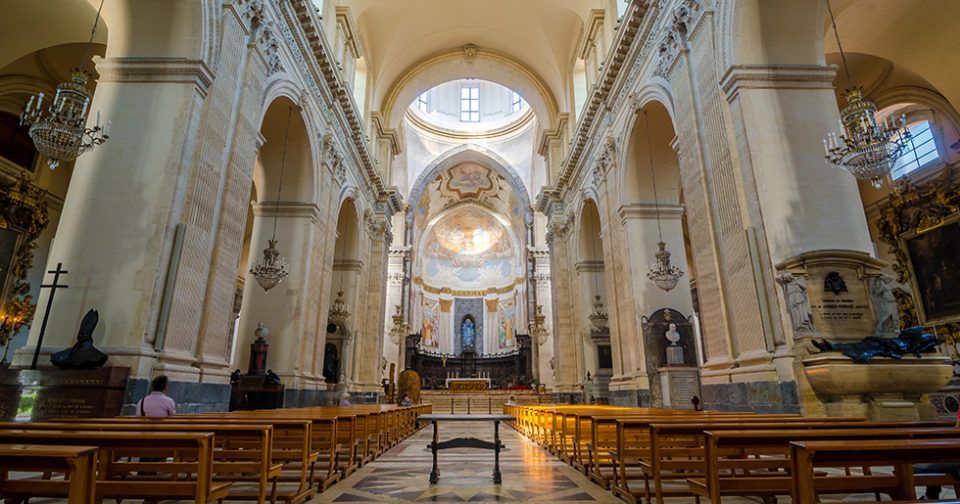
column 41, row 394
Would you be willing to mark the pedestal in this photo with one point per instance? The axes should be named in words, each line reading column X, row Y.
column 679, row 385
column 34, row 395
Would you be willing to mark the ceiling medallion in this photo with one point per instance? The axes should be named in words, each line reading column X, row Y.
column 272, row 269
column 868, row 148
column 60, row 133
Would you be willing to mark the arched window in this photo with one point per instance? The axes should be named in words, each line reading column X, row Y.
column 922, row 150
column 468, row 332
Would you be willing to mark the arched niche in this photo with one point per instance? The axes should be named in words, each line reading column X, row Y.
column 590, row 243
column 652, row 131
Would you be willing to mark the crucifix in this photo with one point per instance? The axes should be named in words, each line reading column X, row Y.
column 46, row 312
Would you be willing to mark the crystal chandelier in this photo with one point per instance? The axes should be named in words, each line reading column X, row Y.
column 661, row 273
column 598, row 317
column 867, row 147
column 338, row 311
column 272, row 269
column 60, row 132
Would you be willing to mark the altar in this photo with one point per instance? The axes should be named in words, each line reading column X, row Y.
column 468, row 384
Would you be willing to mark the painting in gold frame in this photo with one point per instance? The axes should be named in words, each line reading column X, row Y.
column 934, row 263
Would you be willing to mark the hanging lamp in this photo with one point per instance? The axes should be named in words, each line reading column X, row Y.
column 663, row 274
column 598, row 317
column 272, row 269
column 60, row 132
column 868, row 148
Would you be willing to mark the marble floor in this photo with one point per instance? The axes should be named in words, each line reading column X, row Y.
column 530, row 474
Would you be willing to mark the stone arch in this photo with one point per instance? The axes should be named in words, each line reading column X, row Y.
column 299, row 170
column 349, row 229
column 589, row 220
column 485, row 65
column 476, row 154
column 636, row 178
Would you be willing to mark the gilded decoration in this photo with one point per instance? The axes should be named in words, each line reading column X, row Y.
column 23, row 216
column 922, row 226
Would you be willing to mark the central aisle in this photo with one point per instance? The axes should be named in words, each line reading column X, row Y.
column 530, row 474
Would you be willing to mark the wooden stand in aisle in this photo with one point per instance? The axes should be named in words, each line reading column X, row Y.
column 436, row 445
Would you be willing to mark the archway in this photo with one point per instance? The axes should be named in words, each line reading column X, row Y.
column 345, row 270
column 592, row 310
column 281, row 208
column 651, row 198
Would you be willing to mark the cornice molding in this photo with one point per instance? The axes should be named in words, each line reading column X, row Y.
column 649, row 211
column 630, row 25
column 306, row 36
column 776, row 77
column 285, row 209
column 172, row 70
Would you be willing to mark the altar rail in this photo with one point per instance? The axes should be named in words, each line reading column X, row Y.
column 505, row 370
column 479, row 403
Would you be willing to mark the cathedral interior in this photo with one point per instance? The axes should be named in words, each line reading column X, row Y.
column 534, row 207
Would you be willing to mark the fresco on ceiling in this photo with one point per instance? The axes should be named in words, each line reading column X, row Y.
column 506, row 312
column 468, row 182
column 429, row 329
column 469, row 249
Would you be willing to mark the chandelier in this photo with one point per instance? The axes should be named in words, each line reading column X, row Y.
column 661, row 273
column 338, row 311
column 598, row 317
column 538, row 328
column 60, row 132
column 272, row 269
column 868, row 148
column 399, row 328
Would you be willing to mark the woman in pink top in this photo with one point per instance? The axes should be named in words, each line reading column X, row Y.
column 157, row 403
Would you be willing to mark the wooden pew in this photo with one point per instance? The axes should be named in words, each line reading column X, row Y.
column 242, row 452
column 655, row 450
column 676, row 452
column 756, row 462
column 806, row 456
column 192, row 454
column 79, row 463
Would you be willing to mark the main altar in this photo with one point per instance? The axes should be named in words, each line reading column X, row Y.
column 469, row 372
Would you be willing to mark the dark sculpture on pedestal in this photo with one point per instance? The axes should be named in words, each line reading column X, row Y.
column 82, row 355
column 910, row 341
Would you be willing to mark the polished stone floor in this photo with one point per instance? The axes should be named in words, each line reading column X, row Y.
column 529, row 473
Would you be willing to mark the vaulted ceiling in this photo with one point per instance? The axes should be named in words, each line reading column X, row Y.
column 539, row 34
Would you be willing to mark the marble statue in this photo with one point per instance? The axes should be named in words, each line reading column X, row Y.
column 910, row 341
column 884, row 306
column 82, row 355
column 795, row 293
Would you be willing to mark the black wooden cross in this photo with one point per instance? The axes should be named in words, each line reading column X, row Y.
column 46, row 312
